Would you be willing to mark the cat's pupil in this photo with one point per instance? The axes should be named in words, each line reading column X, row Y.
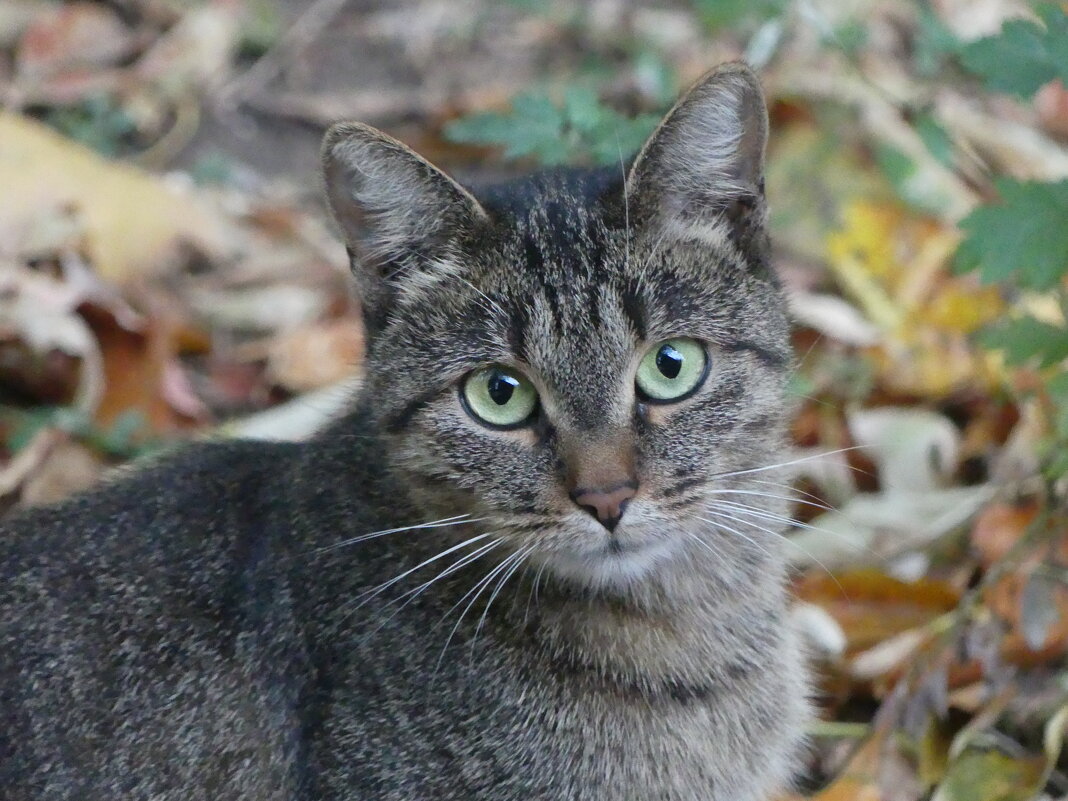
column 668, row 361
column 501, row 386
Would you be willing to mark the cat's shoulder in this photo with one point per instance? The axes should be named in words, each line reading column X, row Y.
column 183, row 494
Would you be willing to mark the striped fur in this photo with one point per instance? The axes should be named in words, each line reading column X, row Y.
column 411, row 606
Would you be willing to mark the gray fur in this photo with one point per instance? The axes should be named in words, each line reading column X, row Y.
column 219, row 626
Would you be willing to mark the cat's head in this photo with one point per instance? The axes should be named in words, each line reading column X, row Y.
column 579, row 359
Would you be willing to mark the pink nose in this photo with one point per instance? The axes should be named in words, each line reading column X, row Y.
column 607, row 505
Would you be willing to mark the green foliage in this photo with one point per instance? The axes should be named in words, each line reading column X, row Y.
column 935, row 138
column 1024, row 240
column 582, row 129
column 214, row 167
column 123, row 439
column 1024, row 237
column 1026, row 340
column 935, row 44
column 717, row 14
column 1024, row 55
column 96, row 122
column 261, row 25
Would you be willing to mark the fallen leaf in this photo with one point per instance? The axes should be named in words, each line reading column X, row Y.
column 316, row 356
column 136, row 370
column 991, row 776
column 1042, row 606
column 872, row 607
column 915, row 449
column 999, row 527
column 859, row 779
column 68, row 469
column 78, row 35
column 876, row 525
column 134, row 223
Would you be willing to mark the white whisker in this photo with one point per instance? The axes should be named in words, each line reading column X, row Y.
column 773, row 533
column 734, row 531
column 367, row 595
column 476, row 591
column 496, row 590
column 772, row 496
column 415, row 592
column 455, row 520
column 790, row 463
column 742, row 508
column 534, row 592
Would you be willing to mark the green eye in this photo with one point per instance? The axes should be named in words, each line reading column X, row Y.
column 672, row 370
column 499, row 397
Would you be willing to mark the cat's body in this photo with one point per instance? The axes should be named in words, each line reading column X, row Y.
column 218, row 625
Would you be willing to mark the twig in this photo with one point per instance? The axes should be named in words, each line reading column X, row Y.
column 302, row 33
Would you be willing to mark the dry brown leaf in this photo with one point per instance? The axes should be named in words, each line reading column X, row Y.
column 872, row 607
column 69, row 468
column 316, row 356
column 858, row 781
column 135, row 370
column 78, row 36
column 999, row 527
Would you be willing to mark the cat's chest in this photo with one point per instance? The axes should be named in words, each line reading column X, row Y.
column 560, row 736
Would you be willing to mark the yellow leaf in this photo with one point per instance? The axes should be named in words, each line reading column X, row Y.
column 964, row 308
column 133, row 223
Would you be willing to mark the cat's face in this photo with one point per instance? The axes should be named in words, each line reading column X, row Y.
column 580, row 361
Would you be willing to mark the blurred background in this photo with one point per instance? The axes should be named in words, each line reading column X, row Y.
column 167, row 271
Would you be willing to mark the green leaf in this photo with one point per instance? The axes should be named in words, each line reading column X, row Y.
column 533, row 127
column 582, row 108
column 991, row 776
column 1025, row 235
column 1026, row 339
column 1024, row 55
column 717, row 14
column 908, row 180
column 935, row 138
column 934, row 42
column 656, row 76
column 582, row 129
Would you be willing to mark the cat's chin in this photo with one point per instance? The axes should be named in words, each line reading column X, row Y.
column 611, row 565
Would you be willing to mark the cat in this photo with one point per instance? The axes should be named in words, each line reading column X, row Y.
column 539, row 559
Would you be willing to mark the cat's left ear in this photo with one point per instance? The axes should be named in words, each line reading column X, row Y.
column 704, row 164
column 398, row 212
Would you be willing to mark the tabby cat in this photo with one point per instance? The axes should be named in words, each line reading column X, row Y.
column 539, row 559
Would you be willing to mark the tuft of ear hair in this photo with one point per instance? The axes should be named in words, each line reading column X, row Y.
column 704, row 164
column 398, row 212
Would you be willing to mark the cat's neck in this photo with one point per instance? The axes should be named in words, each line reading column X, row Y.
column 684, row 634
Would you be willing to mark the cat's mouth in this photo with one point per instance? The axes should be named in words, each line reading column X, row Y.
column 614, row 560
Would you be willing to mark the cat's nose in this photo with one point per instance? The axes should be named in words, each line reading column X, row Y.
column 607, row 505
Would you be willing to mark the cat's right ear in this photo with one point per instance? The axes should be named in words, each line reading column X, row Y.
column 399, row 213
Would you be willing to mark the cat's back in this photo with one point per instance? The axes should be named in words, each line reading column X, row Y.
column 142, row 627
